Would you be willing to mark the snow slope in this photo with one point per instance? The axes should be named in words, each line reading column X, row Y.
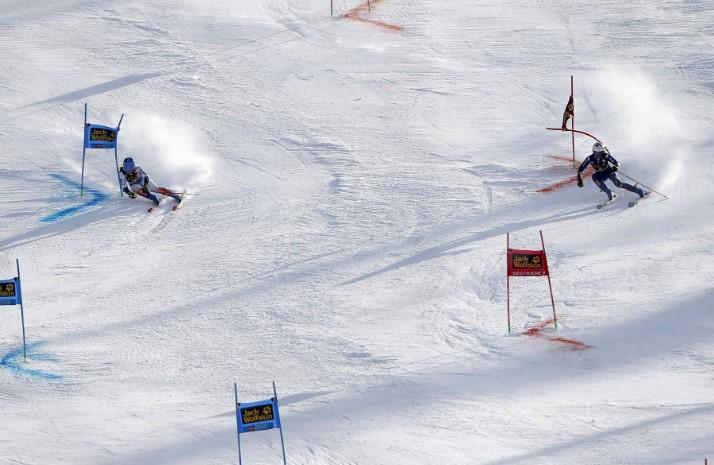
column 352, row 181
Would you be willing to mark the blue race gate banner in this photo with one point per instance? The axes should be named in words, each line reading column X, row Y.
column 258, row 416
column 97, row 136
column 100, row 137
column 10, row 293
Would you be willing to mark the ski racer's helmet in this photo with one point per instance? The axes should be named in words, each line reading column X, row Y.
column 598, row 148
column 128, row 165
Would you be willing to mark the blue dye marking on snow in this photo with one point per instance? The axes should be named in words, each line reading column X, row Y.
column 12, row 361
column 95, row 198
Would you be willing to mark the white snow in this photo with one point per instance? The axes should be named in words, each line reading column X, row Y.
column 352, row 185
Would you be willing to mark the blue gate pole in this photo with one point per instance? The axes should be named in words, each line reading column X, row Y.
column 235, row 390
column 116, row 156
column 84, row 150
column 22, row 311
column 282, row 441
column 116, row 162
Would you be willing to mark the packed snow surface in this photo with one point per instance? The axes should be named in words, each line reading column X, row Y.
column 350, row 183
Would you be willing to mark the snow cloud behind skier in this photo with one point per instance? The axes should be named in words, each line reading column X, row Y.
column 174, row 148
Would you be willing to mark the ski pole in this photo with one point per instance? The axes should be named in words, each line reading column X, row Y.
column 646, row 187
column 165, row 191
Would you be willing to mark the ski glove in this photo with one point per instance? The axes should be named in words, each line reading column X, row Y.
column 129, row 193
column 580, row 181
column 614, row 168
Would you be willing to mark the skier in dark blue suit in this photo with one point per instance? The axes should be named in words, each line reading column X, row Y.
column 605, row 167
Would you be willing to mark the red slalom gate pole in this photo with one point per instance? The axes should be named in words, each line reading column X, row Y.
column 574, row 130
column 572, row 124
column 508, row 285
column 550, row 286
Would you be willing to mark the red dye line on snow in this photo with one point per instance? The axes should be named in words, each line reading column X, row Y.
column 571, row 344
column 356, row 13
column 536, row 330
column 566, row 182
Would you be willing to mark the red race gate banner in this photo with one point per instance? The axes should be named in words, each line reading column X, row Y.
column 526, row 263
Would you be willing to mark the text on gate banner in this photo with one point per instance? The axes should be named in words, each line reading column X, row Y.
column 8, row 289
column 257, row 414
column 102, row 135
column 527, row 263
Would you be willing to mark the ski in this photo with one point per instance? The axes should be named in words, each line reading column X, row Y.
column 635, row 202
column 603, row 205
column 173, row 208
column 152, row 208
column 178, row 202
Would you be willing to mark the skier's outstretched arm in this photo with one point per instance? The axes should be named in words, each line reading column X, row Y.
column 125, row 185
column 584, row 165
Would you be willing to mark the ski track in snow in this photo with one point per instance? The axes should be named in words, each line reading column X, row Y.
column 353, row 186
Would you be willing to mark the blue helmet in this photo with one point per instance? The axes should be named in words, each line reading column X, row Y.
column 128, row 165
